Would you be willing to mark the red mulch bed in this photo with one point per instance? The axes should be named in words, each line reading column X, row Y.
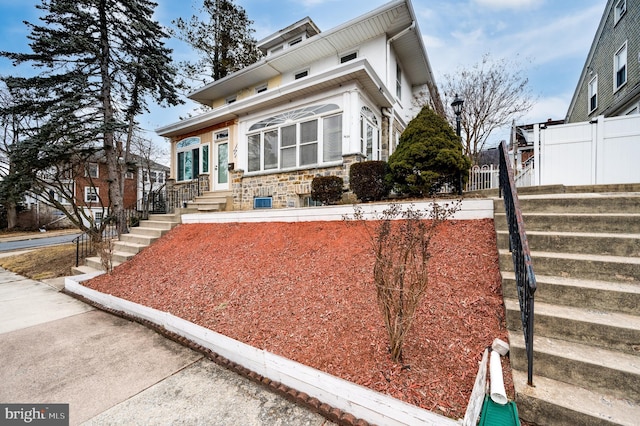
column 305, row 291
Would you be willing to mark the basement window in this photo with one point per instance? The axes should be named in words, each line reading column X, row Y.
column 262, row 203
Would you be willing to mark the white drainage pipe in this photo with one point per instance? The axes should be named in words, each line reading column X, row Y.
column 498, row 394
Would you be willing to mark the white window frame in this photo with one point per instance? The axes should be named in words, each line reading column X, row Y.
column 231, row 99
column 184, row 149
column 620, row 9
column 88, row 171
column 261, row 88
column 97, row 217
column 256, row 140
column 619, row 63
column 90, row 193
column 592, row 91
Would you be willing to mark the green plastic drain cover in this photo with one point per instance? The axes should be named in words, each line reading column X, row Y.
column 498, row 415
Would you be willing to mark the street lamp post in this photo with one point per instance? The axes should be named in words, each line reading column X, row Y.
column 457, row 109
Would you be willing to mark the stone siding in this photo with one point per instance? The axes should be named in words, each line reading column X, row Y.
column 287, row 189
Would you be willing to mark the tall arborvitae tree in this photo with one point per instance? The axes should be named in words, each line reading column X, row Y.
column 223, row 41
column 101, row 60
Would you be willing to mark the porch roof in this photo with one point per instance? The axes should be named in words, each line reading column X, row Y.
column 359, row 71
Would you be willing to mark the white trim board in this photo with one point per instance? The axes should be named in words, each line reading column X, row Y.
column 470, row 209
column 361, row 402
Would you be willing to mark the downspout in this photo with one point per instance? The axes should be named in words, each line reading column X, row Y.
column 391, row 40
column 388, row 112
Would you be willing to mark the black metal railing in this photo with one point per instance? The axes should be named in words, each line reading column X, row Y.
column 161, row 201
column 178, row 196
column 87, row 246
column 519, row 247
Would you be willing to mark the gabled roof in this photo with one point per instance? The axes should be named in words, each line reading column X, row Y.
column 392, row 19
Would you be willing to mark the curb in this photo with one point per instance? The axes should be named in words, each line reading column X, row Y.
column 336, row 399
column 313, row 404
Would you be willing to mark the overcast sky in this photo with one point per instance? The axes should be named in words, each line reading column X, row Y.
column 551, row 37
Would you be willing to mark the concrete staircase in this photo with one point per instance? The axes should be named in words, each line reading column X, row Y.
column 132, row 243
column 210, row 202
column 585, row 248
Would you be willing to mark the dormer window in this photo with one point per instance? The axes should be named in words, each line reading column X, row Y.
column 349, row 57
column 261, row 88
column 230, row 99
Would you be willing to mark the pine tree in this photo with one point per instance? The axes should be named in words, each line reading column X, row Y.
column 101, row 61
column 428, row 156
column 223, row 41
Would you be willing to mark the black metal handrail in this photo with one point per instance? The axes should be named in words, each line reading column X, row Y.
column 519, row 247
column 178, row 196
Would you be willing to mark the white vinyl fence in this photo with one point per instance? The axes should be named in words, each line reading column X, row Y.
column 603, row 151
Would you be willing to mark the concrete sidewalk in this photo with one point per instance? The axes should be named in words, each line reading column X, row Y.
column 56, row 349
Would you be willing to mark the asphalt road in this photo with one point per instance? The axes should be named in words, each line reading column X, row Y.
column 36, row 242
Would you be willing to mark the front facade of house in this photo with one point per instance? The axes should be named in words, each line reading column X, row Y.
column 610, row 81
column 315, row 104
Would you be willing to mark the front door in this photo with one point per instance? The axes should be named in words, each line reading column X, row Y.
column 221, row 166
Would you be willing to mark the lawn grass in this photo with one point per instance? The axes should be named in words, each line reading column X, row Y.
column 43, row 263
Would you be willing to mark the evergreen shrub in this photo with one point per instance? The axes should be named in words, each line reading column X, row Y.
column 368, row 180
column 327, row 189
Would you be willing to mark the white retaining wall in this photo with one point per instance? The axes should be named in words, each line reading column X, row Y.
column 361, row 402
column 469, row 209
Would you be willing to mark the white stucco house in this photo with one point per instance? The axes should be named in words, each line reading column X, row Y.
column 313, row 105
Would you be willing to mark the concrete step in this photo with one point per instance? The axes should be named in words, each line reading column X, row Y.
column 552, row 402
column 581, row 203
column 82, row 269
column 582, row 266
column 599, row 370
column 206, row 206
column 121, row 256
column 124, row 246
column 614, row 331
column 138, row 239
column 165, row 218
column 156, row 224
column 599, row 295
column 96, row 264
column 609, row 244
column 150, row 232
column 625, row 223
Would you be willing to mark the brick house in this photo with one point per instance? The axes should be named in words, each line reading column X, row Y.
column 313, row 105
column 609, row 84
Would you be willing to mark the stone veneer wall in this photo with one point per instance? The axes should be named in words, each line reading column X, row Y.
column 287, row 188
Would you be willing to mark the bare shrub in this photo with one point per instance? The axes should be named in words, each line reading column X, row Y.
column 400, row 240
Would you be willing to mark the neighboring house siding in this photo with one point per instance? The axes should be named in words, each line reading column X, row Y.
column 102, row 186
column 601, row 63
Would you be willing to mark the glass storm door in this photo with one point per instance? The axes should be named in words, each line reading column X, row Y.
column 221, row 168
